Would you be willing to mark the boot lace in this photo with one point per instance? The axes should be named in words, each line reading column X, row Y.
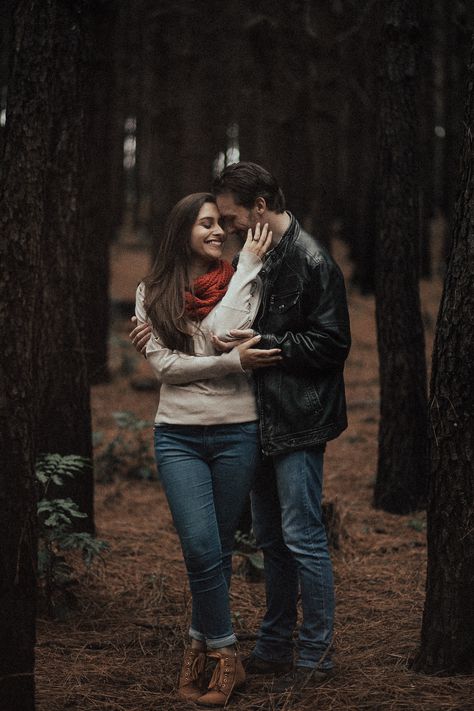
column 222, row 675
column 194, row 665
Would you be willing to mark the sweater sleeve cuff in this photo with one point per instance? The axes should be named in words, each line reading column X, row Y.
column 233, row 361
column 248, row 260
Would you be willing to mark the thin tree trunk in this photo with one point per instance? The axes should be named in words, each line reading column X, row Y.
column 447, row 635
column 183, row 142
column 402, row 457
column 427, row 139
column 457, row 17
column 6, row 42
column 98, row 200
column 323, row 24
column 358, row 152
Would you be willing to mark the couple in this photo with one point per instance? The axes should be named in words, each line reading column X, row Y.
column 251, row 370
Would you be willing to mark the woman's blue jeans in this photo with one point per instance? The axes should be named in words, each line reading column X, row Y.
column 288, row 526
column 207, row 473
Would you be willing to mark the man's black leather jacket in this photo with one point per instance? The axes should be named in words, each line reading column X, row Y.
column 301, row 402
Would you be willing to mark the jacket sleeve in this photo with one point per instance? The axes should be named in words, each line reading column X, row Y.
column 238, row 308
column 325, row 343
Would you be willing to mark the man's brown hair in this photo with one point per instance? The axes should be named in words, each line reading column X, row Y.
column 248, row 181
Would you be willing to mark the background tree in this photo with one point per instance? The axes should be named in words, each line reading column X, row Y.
column 100, row 185
column 447, row 635
column 6, row 31
column 402, row 460
column 357, row 154
column 22, row 216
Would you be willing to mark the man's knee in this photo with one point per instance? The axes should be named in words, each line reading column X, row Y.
column 301, row 539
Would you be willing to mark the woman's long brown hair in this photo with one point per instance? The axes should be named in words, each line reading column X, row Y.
column 165, row 285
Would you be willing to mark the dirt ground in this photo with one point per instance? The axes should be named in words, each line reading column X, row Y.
column 121, row 649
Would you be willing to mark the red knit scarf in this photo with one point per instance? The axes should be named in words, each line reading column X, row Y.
column 208, row 289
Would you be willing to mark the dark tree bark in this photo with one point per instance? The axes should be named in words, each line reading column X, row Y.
column 64, row 423
column 144, row 101
column 6, row 36
column 358, row 153
column 324, row 21
column 458, row 21
column 184, row 109
column 402, row 458
column 98, row 196
column 22, row 215
column 426, row 140
column 447, row 635
column 132, row 114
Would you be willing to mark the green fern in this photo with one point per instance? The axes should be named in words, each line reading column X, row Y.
column 56, row 519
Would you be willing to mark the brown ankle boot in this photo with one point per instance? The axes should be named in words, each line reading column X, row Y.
column 228, row 675
column 192, row 681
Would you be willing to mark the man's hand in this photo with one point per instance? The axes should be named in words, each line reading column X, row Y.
column 258, row 242
column 253, row 358
column 250, row 358
column 140, row 335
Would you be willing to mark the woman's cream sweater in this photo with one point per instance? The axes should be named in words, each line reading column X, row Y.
column 205, row 388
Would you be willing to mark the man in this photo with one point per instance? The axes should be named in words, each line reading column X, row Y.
column 301, row 406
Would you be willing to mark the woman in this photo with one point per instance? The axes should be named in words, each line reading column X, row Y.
column 206, row 439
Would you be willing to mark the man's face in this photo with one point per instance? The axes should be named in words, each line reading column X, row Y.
column 235, row 219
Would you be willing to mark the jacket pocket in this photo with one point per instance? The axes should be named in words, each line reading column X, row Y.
column 312, row 401
column 281, row 303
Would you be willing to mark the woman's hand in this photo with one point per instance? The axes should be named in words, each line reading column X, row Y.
column 258, row 242
column 140, row 335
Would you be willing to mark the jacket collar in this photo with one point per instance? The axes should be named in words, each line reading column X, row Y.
column 276, row 255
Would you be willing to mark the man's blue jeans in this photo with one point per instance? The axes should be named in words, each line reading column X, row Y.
column 287, row 521
column 207, row 473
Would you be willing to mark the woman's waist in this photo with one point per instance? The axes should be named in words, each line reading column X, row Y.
column 226, row 400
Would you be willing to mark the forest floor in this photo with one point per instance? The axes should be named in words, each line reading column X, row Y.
column 121, row 648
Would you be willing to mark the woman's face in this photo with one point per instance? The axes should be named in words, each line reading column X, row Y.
column 207, row 236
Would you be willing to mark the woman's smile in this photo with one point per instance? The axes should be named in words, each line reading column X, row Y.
column 207, row 236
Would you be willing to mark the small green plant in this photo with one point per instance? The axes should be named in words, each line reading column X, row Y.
column 128, row 454
column 245, row 546
column 417, row 524
column 56, row 519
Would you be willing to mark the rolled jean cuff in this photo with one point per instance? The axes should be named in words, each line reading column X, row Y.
column 321, row 666
column 221, row 641
column 194, row 634
column 213, row 643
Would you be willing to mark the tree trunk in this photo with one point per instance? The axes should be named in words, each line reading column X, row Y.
column 402, row 458
column 447, row 635
column 427, row 138
column 183, row 109
column 324, row 21
column 22, row 211
column 357, row 153
column 6, row 37
column 64, row 423
column 457, row 19
column 98, row 200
